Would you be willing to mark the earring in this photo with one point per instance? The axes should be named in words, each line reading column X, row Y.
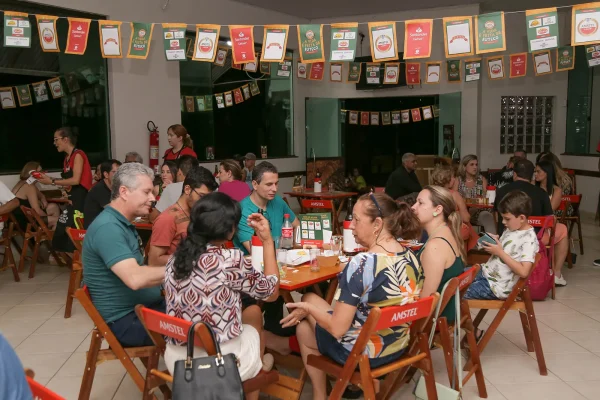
column 435, row 214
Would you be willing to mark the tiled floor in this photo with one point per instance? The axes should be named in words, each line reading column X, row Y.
column 31, row 318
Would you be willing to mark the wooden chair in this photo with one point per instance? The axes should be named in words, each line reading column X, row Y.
column 76, row 236
column 547, row 223
column 310, row 205
column 572, row 175
column 115, row 351
column 519, row 299
column 378, row 189
column 158, row 325
column 574, row 201
column 39, row 392
column 8, row 258
column 417, row 353
column 39, row 232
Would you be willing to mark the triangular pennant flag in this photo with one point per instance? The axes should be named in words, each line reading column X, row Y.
column 17, row 29
column 47, row 33
column 141, row 38
column 79, row 30
column 206, row 44
column 174, row 41
column 343, row 41
column 110, row 38
column 274, row 43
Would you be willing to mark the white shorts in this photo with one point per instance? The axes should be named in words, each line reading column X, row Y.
column 246, row 348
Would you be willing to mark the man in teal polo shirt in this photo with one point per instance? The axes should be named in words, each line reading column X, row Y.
column 113, row 257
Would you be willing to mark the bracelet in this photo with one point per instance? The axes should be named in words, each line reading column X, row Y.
column 53, row 180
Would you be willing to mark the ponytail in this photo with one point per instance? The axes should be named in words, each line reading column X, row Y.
column 188, row 252
column 455, row 225
column 404, row 223
column 187, row 142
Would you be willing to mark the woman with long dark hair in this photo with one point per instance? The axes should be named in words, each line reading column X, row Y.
column 204, row 281
column 168, row 175
column 545, row 177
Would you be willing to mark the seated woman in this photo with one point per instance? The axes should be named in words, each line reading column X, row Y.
column 443, row 256
column 29, row 195
column 168, row 174
column 230, row 179
column 356, row 181
column 443, row 175
column 562, row 178
column 472, row 185
column 386, row 274
column 215, row 277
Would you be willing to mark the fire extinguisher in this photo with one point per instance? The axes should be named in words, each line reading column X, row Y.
column 153, row 129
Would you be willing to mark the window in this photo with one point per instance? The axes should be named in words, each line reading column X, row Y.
column 26, row 132
column 526, row 123
column 264, row 119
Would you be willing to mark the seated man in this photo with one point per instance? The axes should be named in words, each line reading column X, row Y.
column 171, row 226
column 133, row 156
column 113, row 257
column 512, row 256
column 403, row 181
column 99, row 195
column 505, row 175
column 172, row 192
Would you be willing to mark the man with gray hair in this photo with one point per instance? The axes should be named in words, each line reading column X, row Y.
column 113, row 257
column 133, row 156
column 403, row 180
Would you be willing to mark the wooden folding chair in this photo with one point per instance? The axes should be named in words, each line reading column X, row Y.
column 519, row 299
column 572, row 175
column 311, row 205
column 115, row 351
column 8, row 258
column 40, row 392
column 417, row 353
column 39, row 232
column 574, row 201
column 158, row 325
column 547, row 223
column 76, row 236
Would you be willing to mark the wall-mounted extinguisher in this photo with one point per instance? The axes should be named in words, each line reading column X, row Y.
column 153, row 129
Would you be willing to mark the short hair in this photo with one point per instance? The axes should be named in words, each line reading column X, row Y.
column 407, row 156
column 127, row 175
column 516, row 203
column 198, row 176
column 106, row 166
column 186, row 163
column 524, row 169
column 442, row 175
column 138, row 158
column 260, row 169
column 521, row 150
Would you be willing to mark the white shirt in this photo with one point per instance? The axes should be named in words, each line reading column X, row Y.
column 5, row 196
column 169, row 196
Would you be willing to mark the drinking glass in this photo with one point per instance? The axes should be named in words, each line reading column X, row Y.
column 336, row 244
column 331, row 187
column 314, row 263
column 281, row 255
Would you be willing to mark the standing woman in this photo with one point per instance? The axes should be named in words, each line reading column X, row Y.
column 180, row 142
column 76, row 179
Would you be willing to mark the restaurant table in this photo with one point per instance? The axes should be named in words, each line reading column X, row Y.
column 481, row 206
column 309, row 194
column 59, row 200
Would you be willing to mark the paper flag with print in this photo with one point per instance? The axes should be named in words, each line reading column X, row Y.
column 585, row 24
column 17, row 29
column 208, row 103
column 284, row 68
column 427, row 113
column 47, row 33
column 405, row 116
column 353, row 117
column 274, row 43
column 458, row 39
column 436, row 110
column 592, row 54
column 495, row 67
column 228, row 99
column 56, row 88
column 189, row 104
column 375, row 118
column 200, row 105
column 246, row 92
column 354, row 69
column 392, row 73
column 542, row 62
column 518, row 65
column 254, row 88
column 265, row 68
column 395, row 117
column 24, row 95
column 221, row 56
column 316, row 71
column 140, row 40
column 302, row 70
column 373, row 73
column 343, row 41
column 40, row 91
column 251, row 66
column 490, row 32
column 237, row 96
column 310, row 39
column 542, row 29
column 242, row 43
column 382, row 36
column 565, row 58
column 415, row 114
column 174, row 41
column 472, row 69
column 433, row 72
column 343, row 116
column 364, row 118
column 206, row 43
column 335, row 72
column 413, row 73
column 110, row 38
column 220, row 100
column 79, row 30
column 453, row 71
column 7, row 98
column 385, row 118
column 417, row 38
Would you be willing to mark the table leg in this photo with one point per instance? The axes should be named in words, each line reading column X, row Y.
column 333, row 285
column 336, row 216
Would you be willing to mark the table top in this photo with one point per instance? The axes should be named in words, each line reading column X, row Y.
column 309, row 193
column 301, row 276
column 143, row 224
column 484, row 206
column 58, row 200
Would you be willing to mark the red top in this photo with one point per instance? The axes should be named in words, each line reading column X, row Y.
column 170, row 155
column 86, row 179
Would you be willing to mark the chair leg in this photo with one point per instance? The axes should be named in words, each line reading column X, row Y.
column 428, row 373
column 366, row 380
column 526, row 331
column 447, row 347
column 474, row 352
column 36, row 250
column 90, row 366
column 70, row 293
column 23, row 255
column 535, row 333
column 580, row 235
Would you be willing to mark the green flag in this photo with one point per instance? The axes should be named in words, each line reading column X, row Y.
column 565, row 58
column 472, row 69
column 310, row 39
column 490, row 33
column 542, row 29
column 453, row 70
column 174, row 41
column 17, row 29
column 343, row 42
column 141, row 37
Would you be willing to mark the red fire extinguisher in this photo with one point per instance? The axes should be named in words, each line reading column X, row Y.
column 153, row 129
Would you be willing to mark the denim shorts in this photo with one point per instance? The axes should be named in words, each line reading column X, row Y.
column 480, row 289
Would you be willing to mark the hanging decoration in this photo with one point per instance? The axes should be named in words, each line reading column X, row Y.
column 208, row 103
column 458, row 37
column 453, row 71
column 565, row 58
column 310, row 42
column 237, row 96
column 495, row 67
column 221, row 56
column 110, row 38
column 335, row 72
column 432, row 69
column 301, row 70
column 317, row 70
column 490, row 33
column 392, row 73
column 200, row 105
column 413, row 73
column 254, row 89
column 242, row 43
column 40, row 91
column 373, row 74
column 251, row 66
column 353, row 117
column 354, row 70
column 382, row 36
column 274, row 43
column 436, row 110
column 47, row 33
column 228, row 99
column 141, row 38
column 395, row 117
column 405, row 116
column 542, row 62
column 17, row 29
column 343, row 41
column 24, row 95
column 542, row 29
column 79, row 30
column 174, row 41
column 585, row 25
column 189, row 103
column 517, row 65
column 415, row 113
column 343, row 116
column 56, row 88
column 374, row 118
column 418, row 34
column 427, row 113
column 284, row 68
column 219, row 98
column 364, row 117
column 205, row 45
column 265, row 68
column 385, row 118
column 246, row 92
column 472, row 69
column 7, row 98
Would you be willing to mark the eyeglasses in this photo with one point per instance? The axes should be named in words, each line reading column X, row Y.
column 201, row 195
column 57, row 138
column 372, row 196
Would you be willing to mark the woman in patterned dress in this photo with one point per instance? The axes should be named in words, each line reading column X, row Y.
column 204, row 281
column 386, row 274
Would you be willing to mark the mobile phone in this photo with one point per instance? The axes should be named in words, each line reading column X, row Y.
column 485, row 238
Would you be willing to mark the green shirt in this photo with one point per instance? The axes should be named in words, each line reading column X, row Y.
column 111, row 238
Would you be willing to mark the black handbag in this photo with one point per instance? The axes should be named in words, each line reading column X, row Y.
column 207, row 378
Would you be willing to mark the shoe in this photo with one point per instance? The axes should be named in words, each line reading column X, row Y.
column 268, row 362
column 597, row 262
column 559, row 281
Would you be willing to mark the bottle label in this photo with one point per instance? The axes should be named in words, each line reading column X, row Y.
column 154, row 152
column 287, row 233
column 350, row 244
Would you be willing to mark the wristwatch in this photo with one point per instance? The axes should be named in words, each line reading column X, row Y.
column 53, row 181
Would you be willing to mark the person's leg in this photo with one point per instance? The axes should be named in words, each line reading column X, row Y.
column 252, row 315
column 480, row 289
column 561, row 250
column 276, row 337
column 308, row 345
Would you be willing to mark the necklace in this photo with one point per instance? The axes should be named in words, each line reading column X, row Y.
column 182, row 210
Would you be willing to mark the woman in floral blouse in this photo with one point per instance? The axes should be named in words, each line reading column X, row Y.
column 386, row 274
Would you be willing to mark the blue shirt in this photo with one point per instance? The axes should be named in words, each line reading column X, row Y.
column 249, row 179
column 110, row 239
column 274, row 213
column 13, row 384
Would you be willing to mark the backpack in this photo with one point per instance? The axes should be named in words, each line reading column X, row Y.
column 542, row 277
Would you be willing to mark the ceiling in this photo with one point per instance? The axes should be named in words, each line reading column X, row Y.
column 315, row 9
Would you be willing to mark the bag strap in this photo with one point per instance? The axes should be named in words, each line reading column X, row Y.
column 190, row 345
column 457, row 353
column 436, row 315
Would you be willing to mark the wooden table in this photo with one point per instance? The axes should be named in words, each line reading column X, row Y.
column 309, row 194
column 481, row 206
column 58, row 200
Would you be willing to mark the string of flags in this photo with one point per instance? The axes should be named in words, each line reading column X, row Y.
column 396, row 117
column 225, row 99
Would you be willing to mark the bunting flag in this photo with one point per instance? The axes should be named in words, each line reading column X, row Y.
column 110, row 38
column 79, row 30
column 317, row 69
column 436, row 111
column 254, row 89
column 495, row 67
column 7, row 98
column 565, row 58
column 592, row 54
column 206, row 43
column 140, row 40
column 542, row 29
column 265, row 68
column 189, row 48
column 415, row 114
column 221, row 56
column 242, row 43
column 228, row 99
column 284, row 68
column 382, row 36
column 17, row 29
column 490, row 33
column 373, row 73
column 200, row 105
column 274, row 43
column 385, row 118
column 208, row 103
column 189, row 103
column 251, row 66
column 585, row 27
column 472, row 69
column 353, row 117
column 310, row 41
column 427, row 113
column 343, row 116
column 56, row 88
column 405, row 116
column 47, row 33
column 246, row 92
column 236, row 66
column 237, row 96
column 453, row 71
column 364, row 117
column 335, row 72
column 391, row 74
column 395, row 117
column 354, row 70
column 413, row 73
column 517, row 65
column 174, row 41
column 374, row 118
column 458, row 37
column 432, row 72
column 418, row 34
column 40, row 91
column 542, row 62
column 343, row 41
column 301, row 70
column 220, row 100
column 24, row 95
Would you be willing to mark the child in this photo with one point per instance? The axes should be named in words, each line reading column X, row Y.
column 512, row 256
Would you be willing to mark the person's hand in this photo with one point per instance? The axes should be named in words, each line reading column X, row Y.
column 298, row 312
column 261, row 226
column 45, row 180
column 44, row 202
column 494, row 249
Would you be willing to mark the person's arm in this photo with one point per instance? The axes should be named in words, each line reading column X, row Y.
column 9, row 206
column 520, row 268
column 32, row 197
column 485, row 185
column 434, row 263
column 164, row 231
column 263, row 230
column 41, row 196
column 156, row 190
column 455, row 186
column 556, row 198
column 77, row 172
column 158, row 255
column 462, row 207
column 138, row 277
column 244, row 232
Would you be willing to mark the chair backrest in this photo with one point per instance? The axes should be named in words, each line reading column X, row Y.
column 76, row 236
column 546, row 222
column 35, row 221
column 229, row 245
column 379, row 189
column 466, row 278
column 309, row 204
column 450, row 292
column 41, row 392
column 571, row 173
column 399, row 315
column 573, row 200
